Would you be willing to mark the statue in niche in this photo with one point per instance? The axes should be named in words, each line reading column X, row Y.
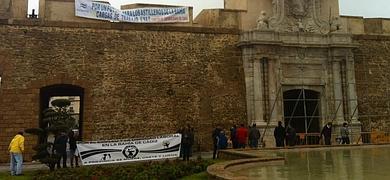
column 262, row 21
column 274, row 6
column 301, row 27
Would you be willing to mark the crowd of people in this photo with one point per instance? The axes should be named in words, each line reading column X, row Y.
column 289, row 135
column 187, row 141
column 65, row 144
column 239, row 137
column 64, row 147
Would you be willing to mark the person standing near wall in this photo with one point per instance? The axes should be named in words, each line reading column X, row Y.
column 291, row 135
column 180, row 131
column 280, row 135
column 242, row 136
column 73, row 155
column 344, row 131
column 327, row 133
column 233, row 136
column 186, row 143
column 16, row 149
column 254, row 136
column 192, row 138
column 215, row 135
column 60, row 149
column 222, row 140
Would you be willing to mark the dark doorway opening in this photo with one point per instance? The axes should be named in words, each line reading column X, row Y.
column 74, row 93
column 301, row 111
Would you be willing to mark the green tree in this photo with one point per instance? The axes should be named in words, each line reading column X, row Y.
column 54, row 120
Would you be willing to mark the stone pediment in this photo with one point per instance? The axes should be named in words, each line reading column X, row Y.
column 298, row 16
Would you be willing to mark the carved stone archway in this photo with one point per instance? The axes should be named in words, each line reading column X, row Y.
column 289, row 56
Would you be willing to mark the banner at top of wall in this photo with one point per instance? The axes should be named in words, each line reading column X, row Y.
column 104, row 11
column 116, row 151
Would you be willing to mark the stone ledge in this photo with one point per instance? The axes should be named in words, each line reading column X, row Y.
column 219, row 170
column 122, row 26
column 236, row 154
column 381, row 37
column 294, row 39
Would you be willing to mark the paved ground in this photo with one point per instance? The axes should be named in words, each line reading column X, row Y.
column 27, row 166
column 31, row 166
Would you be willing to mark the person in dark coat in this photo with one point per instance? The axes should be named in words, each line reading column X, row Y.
column 180, row 131
column 192, row 138
column 344, row 132
column 186, row 143
column 214, row 135
column 233, row 136
column 60, row 149
column 291, row 135
column 327, row 133
column 73, row 138
column 254, row 136
column 280, row 135
column 222, row 140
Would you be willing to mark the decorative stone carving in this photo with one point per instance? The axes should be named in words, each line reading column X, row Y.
column 335, row 24
column 297, row 8
column 262, row 21
column 298, row 16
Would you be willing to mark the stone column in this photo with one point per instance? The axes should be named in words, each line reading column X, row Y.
column 338, row 113
column 351, row 88
column 258, row 92
column 355, row 125
column 249, row 82
column 274, row 92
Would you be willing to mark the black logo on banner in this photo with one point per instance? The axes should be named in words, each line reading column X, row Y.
column 130, row 151
column 166, row 144
column 83, row 5
column 106, row 157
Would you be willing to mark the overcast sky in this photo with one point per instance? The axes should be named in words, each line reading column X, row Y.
column 365, row 8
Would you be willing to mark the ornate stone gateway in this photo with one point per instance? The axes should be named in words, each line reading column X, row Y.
column 299, row 69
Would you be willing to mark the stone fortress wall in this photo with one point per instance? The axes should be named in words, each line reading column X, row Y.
column 138, row 80
column 144, row 80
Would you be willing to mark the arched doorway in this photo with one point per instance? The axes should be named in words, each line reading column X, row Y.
column 71, row 92
column 301, row 111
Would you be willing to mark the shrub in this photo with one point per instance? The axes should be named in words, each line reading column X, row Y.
column 55, row 119
column 161, row 170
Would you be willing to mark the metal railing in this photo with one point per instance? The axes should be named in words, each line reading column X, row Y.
column 375, row 137
column 304, row 139
column 313, row 139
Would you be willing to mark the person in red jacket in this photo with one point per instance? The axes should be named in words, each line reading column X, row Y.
column 242, row 136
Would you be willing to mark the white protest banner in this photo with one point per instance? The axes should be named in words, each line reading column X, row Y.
column 116, row 151
column 83, row 8
column 104, row 11
column 156, row 15
column 96, row 10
